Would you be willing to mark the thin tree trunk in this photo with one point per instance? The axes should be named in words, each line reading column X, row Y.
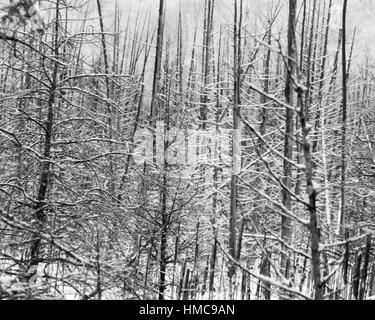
column 236, row 160
column 108, row 96
column 344, row 120
column 363, row 287
column 158, row 61
column 286, row 223
column 45, row 175
column 357, row 275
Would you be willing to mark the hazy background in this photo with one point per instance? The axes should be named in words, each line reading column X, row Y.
column 361, row 14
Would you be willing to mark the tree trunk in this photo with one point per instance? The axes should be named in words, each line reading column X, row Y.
column 45, row 175
column 344, row 119
column 286, row 223
column 236, row 156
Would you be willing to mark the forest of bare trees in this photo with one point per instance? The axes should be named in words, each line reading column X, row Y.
column 161, row 152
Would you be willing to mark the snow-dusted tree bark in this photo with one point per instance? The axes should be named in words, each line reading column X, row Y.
column 45, row 171
column 286, row 227
column 236, row 144
column 341, row 221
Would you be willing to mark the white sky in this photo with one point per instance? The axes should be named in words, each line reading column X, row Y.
column 361, row 13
